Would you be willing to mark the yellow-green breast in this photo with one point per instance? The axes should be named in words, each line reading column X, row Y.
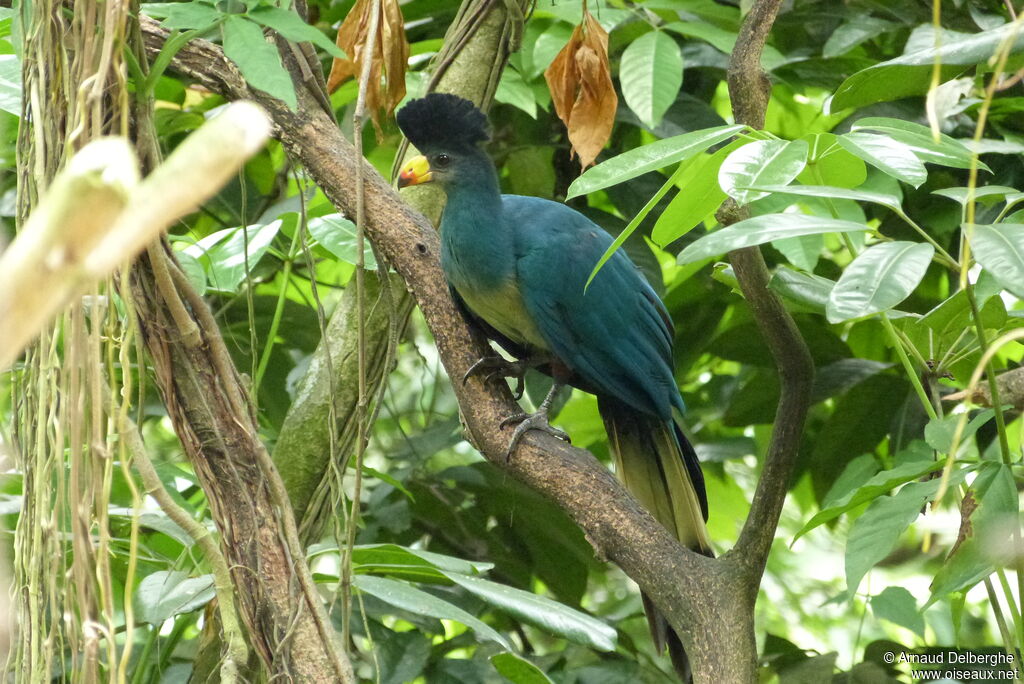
column 503, row 308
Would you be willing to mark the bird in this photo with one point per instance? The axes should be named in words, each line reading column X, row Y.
column 518, row 266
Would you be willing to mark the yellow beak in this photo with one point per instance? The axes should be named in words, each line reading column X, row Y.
column 415, row 171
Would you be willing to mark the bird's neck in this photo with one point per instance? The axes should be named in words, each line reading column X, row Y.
column 475, row 197
column 477, row 246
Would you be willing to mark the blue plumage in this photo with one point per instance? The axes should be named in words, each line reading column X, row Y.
column 616, row 333
column 520, row 266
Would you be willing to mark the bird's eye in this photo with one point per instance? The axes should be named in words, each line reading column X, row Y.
column 442, row 160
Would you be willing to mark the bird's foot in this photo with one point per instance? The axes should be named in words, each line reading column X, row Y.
column 496, row 367
column 527, row 422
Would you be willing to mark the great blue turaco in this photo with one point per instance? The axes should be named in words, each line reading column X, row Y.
column 518, row 266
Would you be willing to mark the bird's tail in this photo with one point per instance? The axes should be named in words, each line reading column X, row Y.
column 658, row 466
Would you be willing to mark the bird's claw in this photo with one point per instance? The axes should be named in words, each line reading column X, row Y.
column 527, row 422
column 498, row 368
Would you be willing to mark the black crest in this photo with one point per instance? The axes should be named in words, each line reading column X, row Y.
column 442, row 120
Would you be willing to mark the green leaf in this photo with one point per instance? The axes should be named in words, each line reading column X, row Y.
column 451, row 563
column 877, row 485
column 190, row 15
column 193, row 270
column 829, row 164
column 948, row 151
column 881, row 277
column 940, row 431
column 518, row 670
column 153, row 520
column 854, row 31
column 513, row 90
column 224, row 253
column 805, row 289
column 652, row 157
column 803, row 251
column 842, row 375
column 761, row 229
column 384, row 555
column 762, row 162
column 10, row 84
column 897, row 605
column 164, row 594
column 1000, row 249
column 944, row 325
column 389, row 560
column 572, row 13
column 699, row 196
column 413, row 600
column 986, row 194
column 995, row 146
column 856, row 474
column 860, row 419
column 384, row 477
column 541, row 612
column 538, row 56
column 815, row 668
column 722, row 40
column 636, row 221
column 337, row 235
column 886, row 154
column 401, row 657
column 291, row 26
column 257, row 59
column 829, row 192
column 651, row 73
column 911, row 74
column 875, row 533
column 983, row 536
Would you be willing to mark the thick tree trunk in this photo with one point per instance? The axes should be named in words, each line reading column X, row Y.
column 278, row 602
column 282, row 612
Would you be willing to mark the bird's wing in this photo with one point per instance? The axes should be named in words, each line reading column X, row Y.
column 616, row 334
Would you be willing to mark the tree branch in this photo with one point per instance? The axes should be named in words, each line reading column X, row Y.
column 283, row 613
column 749, row 90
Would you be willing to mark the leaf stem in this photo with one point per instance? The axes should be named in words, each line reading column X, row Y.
column 912, row 374
column 945, row 258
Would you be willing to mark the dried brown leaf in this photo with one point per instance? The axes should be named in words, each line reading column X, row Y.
column 386, row 86
column 581, row 88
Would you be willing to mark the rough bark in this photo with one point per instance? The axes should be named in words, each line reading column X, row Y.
column 213, row 416
column 214, row 420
